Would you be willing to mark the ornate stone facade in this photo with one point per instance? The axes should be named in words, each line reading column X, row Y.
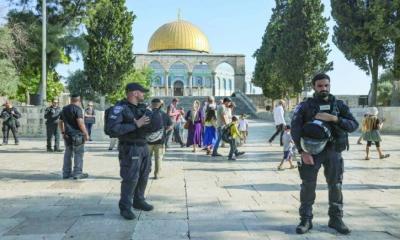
column 194, row 74
column 179, row 55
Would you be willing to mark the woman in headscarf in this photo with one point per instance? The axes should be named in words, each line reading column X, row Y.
column 195, row 118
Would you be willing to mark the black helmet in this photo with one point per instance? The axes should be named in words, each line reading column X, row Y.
column 315, row 136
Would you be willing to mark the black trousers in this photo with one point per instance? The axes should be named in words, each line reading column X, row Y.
column 135, row 167
column 53, row 130
column 6, row 132
column 279, row 129
column 333, row 171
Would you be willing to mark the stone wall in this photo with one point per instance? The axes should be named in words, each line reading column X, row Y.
column 33, row 123
column 390, row 114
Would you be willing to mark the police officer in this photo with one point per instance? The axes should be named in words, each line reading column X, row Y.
column 128, row 121
column 52, row 116
column 335, row 115
column 75, row 135
column 10, row 116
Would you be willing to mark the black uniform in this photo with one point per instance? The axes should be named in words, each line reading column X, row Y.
column 10, row 118
column 134, row 158
column 330, row 157
column 52, row 116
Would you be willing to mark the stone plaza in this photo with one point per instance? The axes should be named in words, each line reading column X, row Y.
column 197, row 197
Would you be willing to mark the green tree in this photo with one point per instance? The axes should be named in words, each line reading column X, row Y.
column 63, row 37
column 110, row 56
column 266, row 74
column 141, row 76
column 393, row 33
column 303, row 50
column 293, row 48
column 8, row 74
column 77, row 84
column 360, row 34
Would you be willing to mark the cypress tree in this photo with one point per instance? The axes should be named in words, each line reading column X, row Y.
column 110, row 39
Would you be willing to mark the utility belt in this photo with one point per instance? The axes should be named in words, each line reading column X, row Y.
column 139, row 143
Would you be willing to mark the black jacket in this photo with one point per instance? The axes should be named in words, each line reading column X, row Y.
column 10, row 119
column 52, row 115
column 306, row 111
column 122, row 125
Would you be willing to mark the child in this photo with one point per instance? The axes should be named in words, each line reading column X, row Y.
column 243, row 128
column 234, row 133
column 372, row 125
column 210, row 131
column 362, row 129
column 287, row 148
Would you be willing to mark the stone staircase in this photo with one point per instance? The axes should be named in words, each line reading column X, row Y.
column 243, row 105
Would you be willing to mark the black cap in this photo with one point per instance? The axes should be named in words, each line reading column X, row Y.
column 156, row 100
column 135, row 87
column 227, row 99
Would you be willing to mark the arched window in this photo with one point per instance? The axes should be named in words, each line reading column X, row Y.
column 157, row 81
column 198, row 81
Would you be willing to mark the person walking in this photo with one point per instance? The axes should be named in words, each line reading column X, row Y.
column 287, row 148
column 128, row 120
column 362, row 128
column 75, row 135
column 243, row 128
column 319, row 129
column 52, row 116
column 195, row 119
column 372, row 126
column 222, row 120
column 233, row 135
column 90, row 118
column 210, row 131
column 10, row 116
column 174, row 114
column 157, row 138
column 279, row 118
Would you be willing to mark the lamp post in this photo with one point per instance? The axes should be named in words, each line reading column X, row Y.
column 42, row 94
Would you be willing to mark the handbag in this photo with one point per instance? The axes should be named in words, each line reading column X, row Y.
column 186, row 125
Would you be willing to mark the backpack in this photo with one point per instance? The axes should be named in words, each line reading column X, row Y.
column 226, row 133
column 107, row 113
column 156, row 130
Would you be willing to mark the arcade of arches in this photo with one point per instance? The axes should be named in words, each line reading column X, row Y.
column 179, row 55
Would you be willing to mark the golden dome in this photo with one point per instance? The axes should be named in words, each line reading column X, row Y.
column 178, row 35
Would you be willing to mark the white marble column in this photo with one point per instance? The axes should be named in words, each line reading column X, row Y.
column 190, row 77
column 166, row 83
column 213, row 82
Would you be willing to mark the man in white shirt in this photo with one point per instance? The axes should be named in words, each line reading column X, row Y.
column 279, row 118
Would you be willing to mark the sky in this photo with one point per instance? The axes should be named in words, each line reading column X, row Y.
column 234, row 26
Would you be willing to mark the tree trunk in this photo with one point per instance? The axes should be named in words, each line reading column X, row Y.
column 395, row 99
column 374, row 83
column 27, row 97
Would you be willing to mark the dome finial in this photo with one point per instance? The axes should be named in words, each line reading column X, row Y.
column 179, row 14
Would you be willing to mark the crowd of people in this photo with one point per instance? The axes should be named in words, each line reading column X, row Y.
column 204, row 124
column 318, row 133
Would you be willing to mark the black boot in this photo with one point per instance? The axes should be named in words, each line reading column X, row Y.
column 304, row 226
column 142, row 205
column 127, row 214
column 338, row 224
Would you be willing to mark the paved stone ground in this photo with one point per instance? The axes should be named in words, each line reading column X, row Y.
column 198, row 197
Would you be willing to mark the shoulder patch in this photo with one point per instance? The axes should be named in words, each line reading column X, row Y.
column 117, row 109
column 297, row 108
